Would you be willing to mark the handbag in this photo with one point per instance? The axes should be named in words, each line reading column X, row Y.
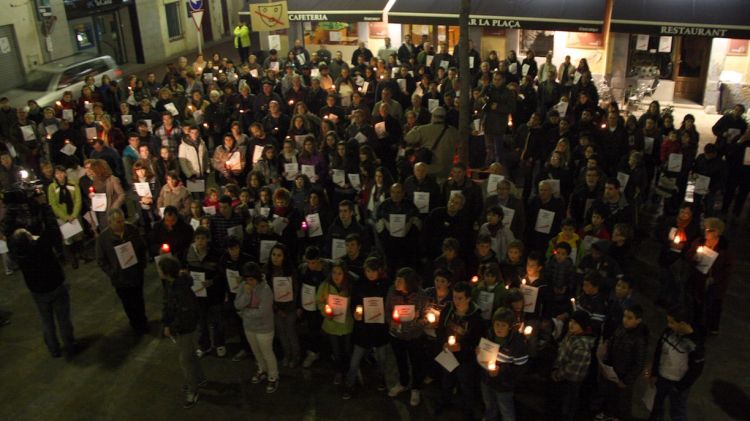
column 425, row 155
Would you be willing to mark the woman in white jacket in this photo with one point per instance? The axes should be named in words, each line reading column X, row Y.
column 254, row 303
column 193, row 155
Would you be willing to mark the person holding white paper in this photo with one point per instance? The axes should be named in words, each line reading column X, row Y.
column 174, row 193
column 499, row 375
column 66, row 203
column 333, row 303
column 545, row 213
column 313, row 272
column 104, row 182
column 368, row 336
column 229, row 161
column 344, row 225
column 254, row 303
column 712, row 263
column 281, row 265
column 128, row 282
column 397, row 224
column 407, row 299
column 459, row 329
column 730, row 127
column 146, row 187
column 572, row 363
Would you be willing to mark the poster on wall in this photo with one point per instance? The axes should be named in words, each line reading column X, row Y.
column 333, row 33
column 540, row 42
column 665, row 44
column 587, row 40
column 738, row 47
column 641, row 43
column 378, row 30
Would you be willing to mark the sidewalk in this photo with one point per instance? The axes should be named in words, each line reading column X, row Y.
column 224, row 46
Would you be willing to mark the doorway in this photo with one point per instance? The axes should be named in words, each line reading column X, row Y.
column 691, row 67
column 108, row 36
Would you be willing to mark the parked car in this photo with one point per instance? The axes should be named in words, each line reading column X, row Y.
column 47, row 82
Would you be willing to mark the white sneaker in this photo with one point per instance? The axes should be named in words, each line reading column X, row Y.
column 200, row 353
column 395, row 390
column 310, row 359
column 415, row 397
column 221, row 351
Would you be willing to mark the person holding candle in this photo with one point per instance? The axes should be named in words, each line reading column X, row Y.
column 490, row 293
column 498, row 384
column 572, row 363
column 339, row 334
column 709, row 288
column 254, row 303
column 280, row 264
column 593, row 302
column 104, row 182
column 229, row 161
column 368, row 336
column 460, row 324
column 405, row 296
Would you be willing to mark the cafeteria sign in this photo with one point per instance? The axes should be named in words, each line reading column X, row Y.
column 269, row 16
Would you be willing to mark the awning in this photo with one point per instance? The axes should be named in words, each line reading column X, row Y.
column 705, row 18
column 562, row 15
column 548, row 15
column 336, row 10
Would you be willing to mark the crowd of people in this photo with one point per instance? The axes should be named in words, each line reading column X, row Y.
column 320, row 206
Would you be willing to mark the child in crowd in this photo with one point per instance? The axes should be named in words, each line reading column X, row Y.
column 572, row 364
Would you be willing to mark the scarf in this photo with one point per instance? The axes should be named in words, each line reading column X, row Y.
column 64, row 197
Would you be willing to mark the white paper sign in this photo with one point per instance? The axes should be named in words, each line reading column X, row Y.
column 706, row 258
column 401, row 84
column 675, row 162
column 422, row 201
column 339, row 177
column 471, row 62
column 432, row 104
column 195, row 223
column 3, row 247
column 530, row 295
column 233, row 280
column 428, row 60
column 309, row 171
column 492, row 181
column 508, row 214
column 340, row 306
column 67, row 115
column 488, row 351
column 354, row 180
column 69, row 229
column 68, row 149
column 314, row 229
column 485, row 301
column 279, row 225
column 28, row 133
column 338, row 248
column 365, row 86
column 702, row 182
column 576, row 77
column 373, row 310
column 99, row 202
column 397, row 225
column 447, row 360
column 142, row 189
column 623, row 178
column 309, row 297
column 126, row 119
column 291, row 170
column 126, row 255
column 199, row 287
column 171, row 108
column 274, row 42
column 209, row 210
column 196, row 186
column 282, row 289
column 265, row 250
column 90, row 133
column 50, row 129
column 562, row 108
column 648, row 145
column 525, row 69
column 544, row 221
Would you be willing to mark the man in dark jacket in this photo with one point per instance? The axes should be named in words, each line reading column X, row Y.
column 46, row 282
column 121, row 254
column 180, row 322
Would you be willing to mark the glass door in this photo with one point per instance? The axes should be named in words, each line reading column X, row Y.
column 108, row 36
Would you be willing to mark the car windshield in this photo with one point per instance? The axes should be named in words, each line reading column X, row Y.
column 38, row 80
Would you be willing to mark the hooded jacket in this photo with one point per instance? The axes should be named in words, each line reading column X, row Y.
column 406, row 330
column 511, row 361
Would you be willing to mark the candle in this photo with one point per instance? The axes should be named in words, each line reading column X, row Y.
column 91, row 189
column 205, row 125
column 359, row 310
column 701, row 249
column 528, row 330
column 474, row 279
column 165, row 248
column 573, row 302
column 451, row 340
column 676, row 239
column 491, row 366
column 58, row 103
column 328, row 310
column 523, row 281
column 396, row 317
column 291, row 102
column 431, row 317
column 304, row 226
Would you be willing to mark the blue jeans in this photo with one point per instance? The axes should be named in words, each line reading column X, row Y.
column 357, row 355
column 678, row 400
column 54, row 307
column 498, row 403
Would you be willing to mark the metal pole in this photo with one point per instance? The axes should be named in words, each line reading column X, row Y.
column 605, row 31
column 465, row 82
column 200, row 43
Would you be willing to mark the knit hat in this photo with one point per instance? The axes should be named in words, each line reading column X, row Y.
column 582, row 318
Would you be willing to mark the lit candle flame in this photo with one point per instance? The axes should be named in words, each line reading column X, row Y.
column 431, row 317
column 451, row 340
column 527, row 330
column 491, row 366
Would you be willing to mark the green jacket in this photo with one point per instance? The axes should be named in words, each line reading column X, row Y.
column 60, row 210
column 241, row 36
column 330, row 326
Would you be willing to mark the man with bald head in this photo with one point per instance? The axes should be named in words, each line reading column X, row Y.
column 398, row 225
column 426, row 188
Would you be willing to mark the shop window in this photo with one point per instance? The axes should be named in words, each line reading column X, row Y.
column 650, row 57
column 332, row 33
column 174, row 24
